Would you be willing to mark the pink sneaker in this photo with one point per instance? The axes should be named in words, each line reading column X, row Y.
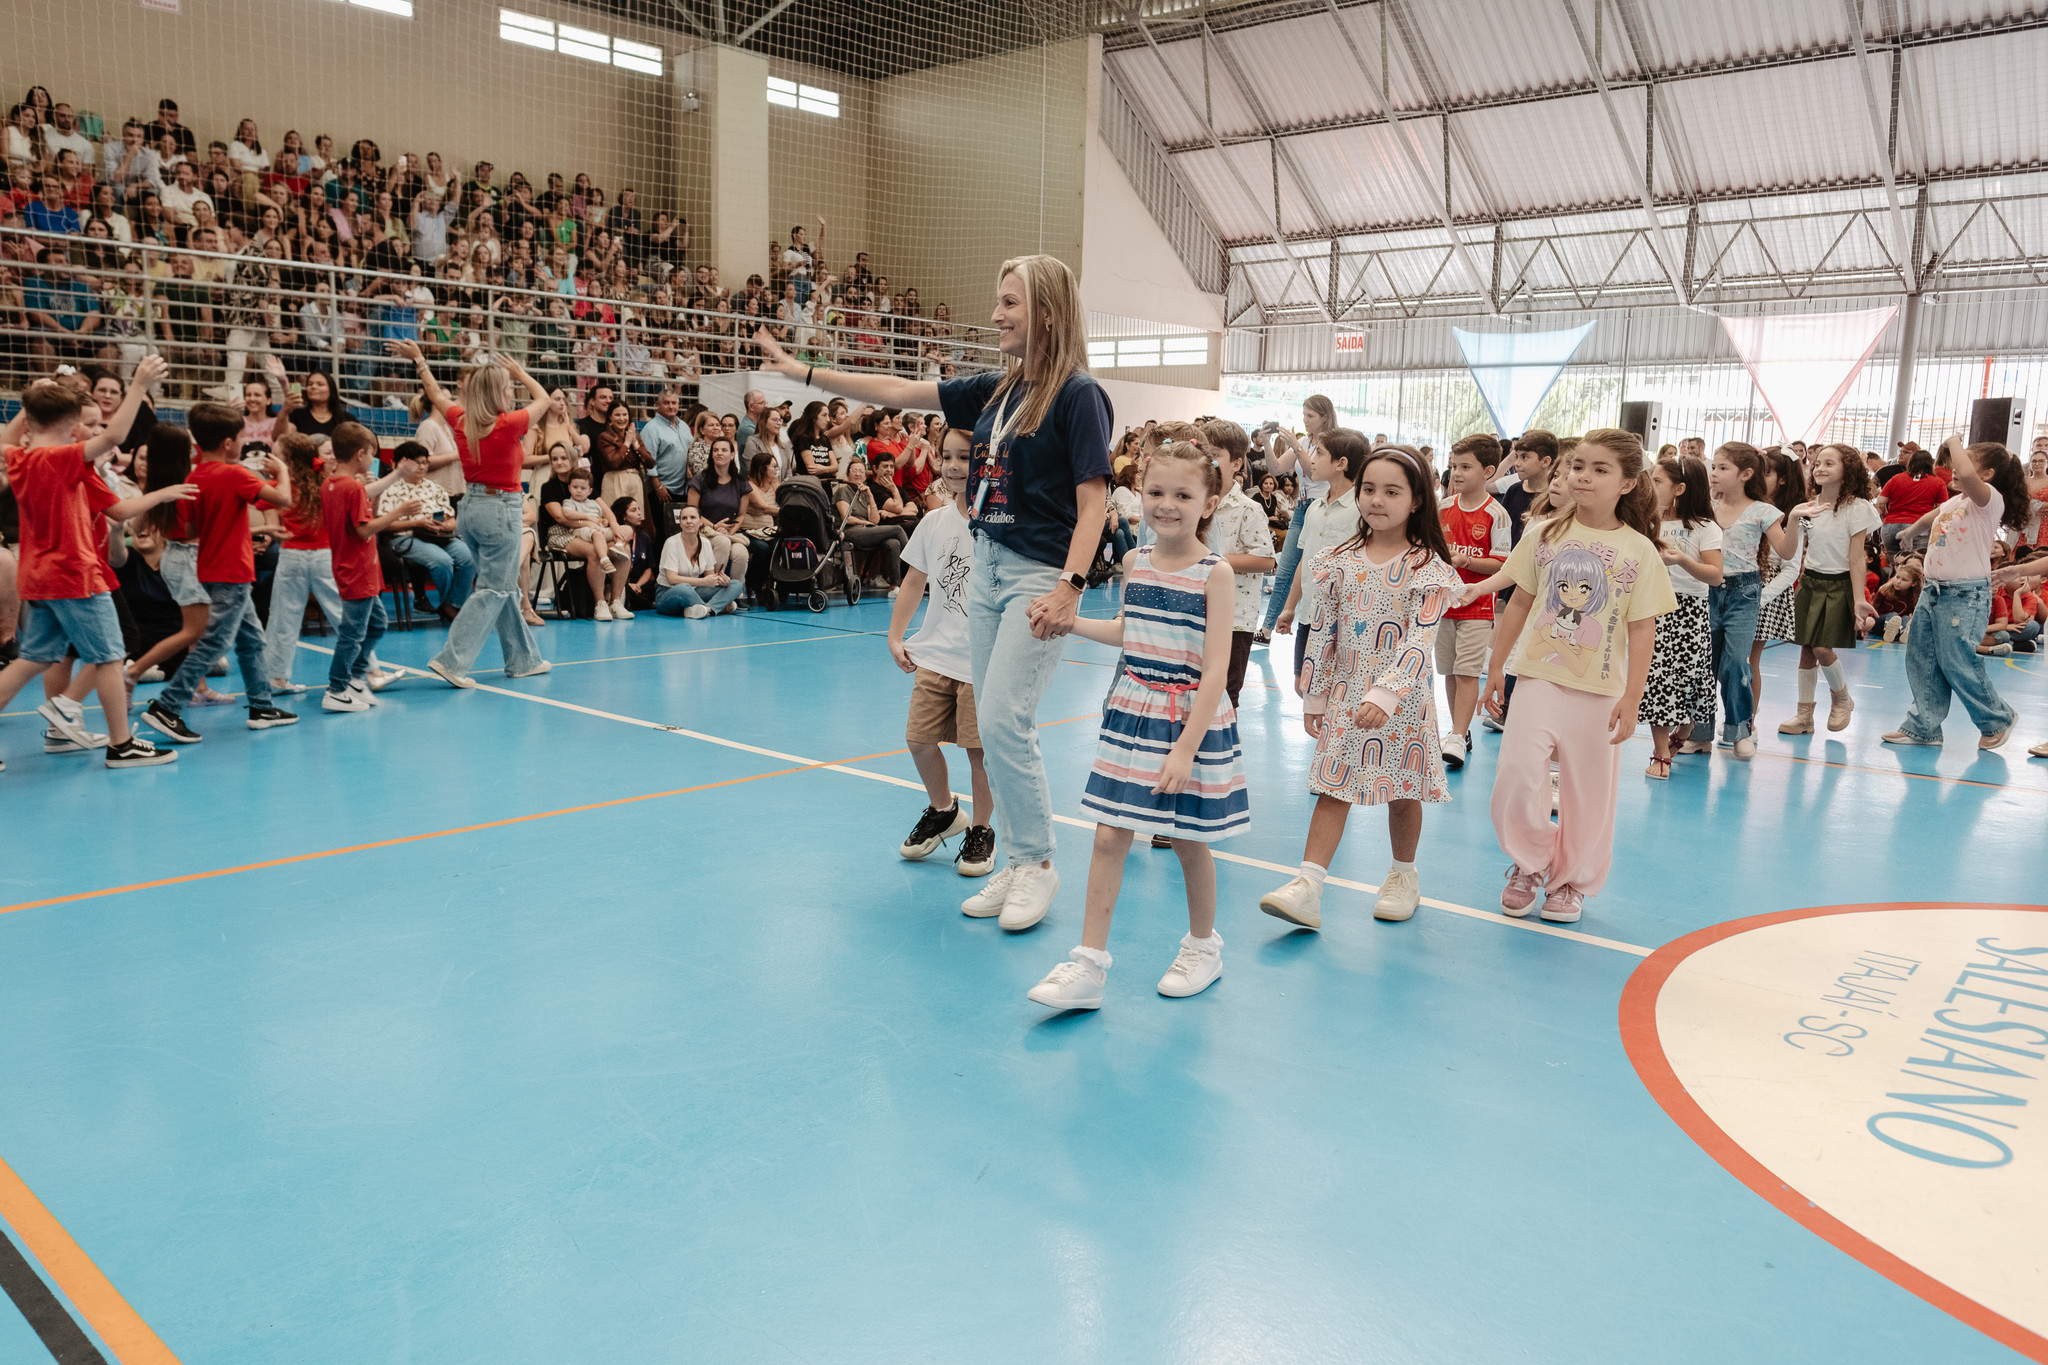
column 1562, row 904
column 1520, row 892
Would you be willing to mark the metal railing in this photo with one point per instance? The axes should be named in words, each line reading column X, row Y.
column 218, row 321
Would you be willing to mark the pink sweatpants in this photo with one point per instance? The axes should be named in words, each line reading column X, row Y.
column 1545, row 721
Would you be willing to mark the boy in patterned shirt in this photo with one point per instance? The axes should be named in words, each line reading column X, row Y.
column 1240, row 533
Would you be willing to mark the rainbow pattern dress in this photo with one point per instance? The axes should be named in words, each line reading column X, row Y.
column 1372, row 635
column 1165, row 624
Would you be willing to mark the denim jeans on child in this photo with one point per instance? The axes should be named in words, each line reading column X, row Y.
column 1732, row 606
column 1011, row 670
column 230, row 621
column 361, row 626
column 449, row 564
column 1290, row 560
column 491, row 526
column 1942, row 661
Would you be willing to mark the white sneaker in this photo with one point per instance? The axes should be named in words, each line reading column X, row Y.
column 604, row 611
column 1299, row 901
column 1031, row 891
column 55, row 741
column 345, row 700
column 1454, row 751
column 1075, row 984
column 361, row 688
column 697, row 612
column 449, row 675
column 1196, row 968
column 1745, row 748
column 1400, row 893
column 619, row 612
column 283, row 687
column 67, row 718
column 987, row 903
column 381, row 678
column 534, row 672
column 1490, row 723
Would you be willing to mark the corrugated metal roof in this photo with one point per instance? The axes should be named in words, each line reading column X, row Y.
column 1758, row 130
column 1984, row 103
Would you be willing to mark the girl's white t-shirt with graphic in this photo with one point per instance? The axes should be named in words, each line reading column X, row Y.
column 942, row 549
column 1692, row 542
column 1827, row 535
column 1588, row 585
column 1959, row 545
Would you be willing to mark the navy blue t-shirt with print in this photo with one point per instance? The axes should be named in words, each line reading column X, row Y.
column 1029, row 506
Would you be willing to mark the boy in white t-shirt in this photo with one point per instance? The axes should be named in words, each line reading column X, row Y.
column 941, row 553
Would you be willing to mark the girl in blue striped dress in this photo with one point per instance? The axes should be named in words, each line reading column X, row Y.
column 1167, row 761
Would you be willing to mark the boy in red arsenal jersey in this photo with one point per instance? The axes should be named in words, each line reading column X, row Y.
column 1477, row 528
column 65, row 585
column 227, row 568
column 352, row 541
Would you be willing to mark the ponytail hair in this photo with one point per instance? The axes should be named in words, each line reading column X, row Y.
column 1994, row 464
column 1750, row 461
column 301, row 456
column 1696, row 504
column 170, row 463
column 1637, row 506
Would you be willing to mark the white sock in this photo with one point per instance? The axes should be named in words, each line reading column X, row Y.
column 1211, row 944
column 1400, row 866
column 1315, row 872
column 1809, row 678
column 1833, row 673
column 1097, row 956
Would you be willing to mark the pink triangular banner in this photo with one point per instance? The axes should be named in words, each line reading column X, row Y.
column 1804, row 363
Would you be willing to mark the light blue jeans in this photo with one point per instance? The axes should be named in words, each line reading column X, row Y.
column 1290, row 560
column 300, row 574
column 355, row 635
column 231, row 621
column 1011, row 672
column 677, row 598
column 1942, row 660
column 451, row 566
column 491, row 528
column 1732, row 607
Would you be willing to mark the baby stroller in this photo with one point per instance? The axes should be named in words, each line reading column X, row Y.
column 809, row 550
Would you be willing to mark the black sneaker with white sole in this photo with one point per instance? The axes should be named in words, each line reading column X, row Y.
column 136, row 752
column 269, row 717
column 933, row 828
column 977, row 856
column 169, row 724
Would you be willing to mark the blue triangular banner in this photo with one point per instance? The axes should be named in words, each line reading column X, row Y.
column 1515, row 370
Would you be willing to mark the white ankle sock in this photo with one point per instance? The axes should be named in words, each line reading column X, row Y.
column 1833, row 673
column 1809, row 678
column 1315, row 872
column 1211, row 944
column 1400, row 866
column 1098, row 956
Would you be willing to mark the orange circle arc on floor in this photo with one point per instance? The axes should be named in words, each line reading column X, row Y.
column 1688, row 1106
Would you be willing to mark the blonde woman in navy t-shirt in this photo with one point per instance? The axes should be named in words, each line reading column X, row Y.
column 1041, row 449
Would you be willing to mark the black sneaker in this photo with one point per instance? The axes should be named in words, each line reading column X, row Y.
column 2024, row 647
column 933, row 828
column 1161, row 841
column 977, row 856
column 136, row 752
column 169, row 724
column 269, row 717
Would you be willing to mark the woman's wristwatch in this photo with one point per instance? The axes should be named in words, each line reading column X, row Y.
column 1078, row 582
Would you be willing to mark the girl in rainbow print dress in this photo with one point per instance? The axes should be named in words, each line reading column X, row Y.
column 1367, row 685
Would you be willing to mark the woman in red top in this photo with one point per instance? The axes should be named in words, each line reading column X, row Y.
column 1908, row 497
column 490, row 436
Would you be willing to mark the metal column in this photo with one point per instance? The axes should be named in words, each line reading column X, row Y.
column 1909, row 346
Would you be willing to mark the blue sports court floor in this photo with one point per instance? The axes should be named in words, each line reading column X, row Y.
column 592, row 1017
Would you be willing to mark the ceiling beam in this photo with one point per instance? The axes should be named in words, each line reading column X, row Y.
column 690, row 20
column 1626, row 144
column 751, row 29
column 1424, row 61
column 1436, row 193
column 1280, row 237
column 1664, row 76
column 1880, row 138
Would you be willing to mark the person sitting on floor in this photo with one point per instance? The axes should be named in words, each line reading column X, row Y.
column 692, row 584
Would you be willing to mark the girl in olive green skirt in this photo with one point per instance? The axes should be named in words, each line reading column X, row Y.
column 1829, row 607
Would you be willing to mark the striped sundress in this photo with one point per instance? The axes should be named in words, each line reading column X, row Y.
column 1165, row 622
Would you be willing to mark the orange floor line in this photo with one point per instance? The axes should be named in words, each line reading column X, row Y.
column 118, row 1324
column 431, row 834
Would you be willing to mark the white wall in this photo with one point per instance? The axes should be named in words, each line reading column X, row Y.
column 1129, row 269
column 1135, row 403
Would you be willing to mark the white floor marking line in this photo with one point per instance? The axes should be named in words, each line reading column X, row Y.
column 816, row 765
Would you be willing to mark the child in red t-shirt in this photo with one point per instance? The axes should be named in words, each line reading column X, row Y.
column 62, row 576
column 1480, row 536
column 352, row 542
column 227, row 568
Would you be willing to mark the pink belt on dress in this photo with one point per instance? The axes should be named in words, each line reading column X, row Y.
column 1173, row 691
